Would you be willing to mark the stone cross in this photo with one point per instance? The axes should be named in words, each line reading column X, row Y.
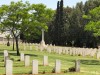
column 9, row 67
column 57, row 66
column 42, row 34
column 34, row 67
column 77, row 65
column 43, row 42
column 27, row 60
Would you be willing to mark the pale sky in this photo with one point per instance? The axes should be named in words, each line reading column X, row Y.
column 49, row 3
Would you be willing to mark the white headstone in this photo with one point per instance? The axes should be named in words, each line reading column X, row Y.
column 34, row 67
column 5, row 54
column 57, row 66
column 22, row 57
column 9, row 67
column 77, row 65
column 45, row 61
column 27, row 60
column 98, row 55
column 6, row 58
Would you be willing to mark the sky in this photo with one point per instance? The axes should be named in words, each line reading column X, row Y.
column 49, row 3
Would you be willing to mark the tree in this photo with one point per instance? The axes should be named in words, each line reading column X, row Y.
column 13, row 17
column 57, row 28
column 53, row 27
column 40, row 18
column 68, row 25
column 22, row 17
column 94, row 24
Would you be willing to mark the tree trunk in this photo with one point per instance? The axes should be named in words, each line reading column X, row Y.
column 17, row 48
column 13, row 43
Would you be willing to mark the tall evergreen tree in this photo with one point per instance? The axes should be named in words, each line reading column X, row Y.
column 57, row 29
column 61, row 24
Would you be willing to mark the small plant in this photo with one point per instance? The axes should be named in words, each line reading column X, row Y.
column 72, row 69
column 30, row 72
column 79, row 54
column 53, row 71
column 18, row 60
column 44, row 72
column 65, row 71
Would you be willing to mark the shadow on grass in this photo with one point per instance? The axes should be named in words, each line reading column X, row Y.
column 90, row 62
column 1, row 54
column 32, row 55
column 13, row 54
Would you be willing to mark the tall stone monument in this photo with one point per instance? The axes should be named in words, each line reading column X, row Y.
column 42, row 42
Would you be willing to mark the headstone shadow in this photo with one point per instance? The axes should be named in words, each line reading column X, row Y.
column 90, row 62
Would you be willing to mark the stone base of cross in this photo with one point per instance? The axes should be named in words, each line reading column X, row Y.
column 43, row 43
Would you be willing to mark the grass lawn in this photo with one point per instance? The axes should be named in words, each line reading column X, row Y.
column 89, row 65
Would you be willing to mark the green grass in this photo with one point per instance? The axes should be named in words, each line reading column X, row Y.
column 89, row 65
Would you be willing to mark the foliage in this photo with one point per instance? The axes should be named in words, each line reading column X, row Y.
column 73, row 24
column 94, row 24
column 57, row 28
column 24, row 18
column 40, row 16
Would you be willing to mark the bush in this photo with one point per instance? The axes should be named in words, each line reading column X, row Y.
column 72, row 69
column 53, row 71
column 44, row 72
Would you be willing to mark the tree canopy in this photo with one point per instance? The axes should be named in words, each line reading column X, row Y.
column 94, row 24
column 69, row 29
column 24, row 18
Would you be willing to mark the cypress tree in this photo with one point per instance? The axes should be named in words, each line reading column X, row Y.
column 55, row 27
column 57, row 21
column 61, row 24
column 58, row 25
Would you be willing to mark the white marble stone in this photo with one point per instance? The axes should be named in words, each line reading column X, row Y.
column 5, row 54
column 45, row 60
column 35, row 67
column 58, row 66
column 77, row 65
column 22, row 57
column 9, row 67
column 27, row 60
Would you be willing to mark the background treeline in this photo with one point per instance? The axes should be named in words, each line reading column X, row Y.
column 67, row 26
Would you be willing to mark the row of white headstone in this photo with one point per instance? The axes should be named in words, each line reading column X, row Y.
column 9, row 67
column 57, row 69
column 26, row 59
column 71, row 50
column 66, row 50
